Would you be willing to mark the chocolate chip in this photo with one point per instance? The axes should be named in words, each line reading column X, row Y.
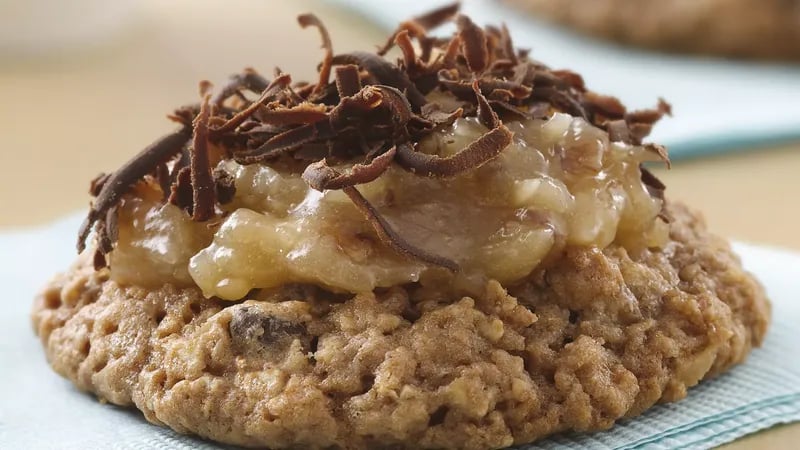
column 251, row 327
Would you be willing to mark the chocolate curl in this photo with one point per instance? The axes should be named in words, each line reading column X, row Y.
column 277, row 85
column 348, row 81
column 473, row 44
column 306, row 20
column 204, row 196
column 476, row 154
column 118, row 184
column 417, row 26
column 321, row 176
column 391, row 238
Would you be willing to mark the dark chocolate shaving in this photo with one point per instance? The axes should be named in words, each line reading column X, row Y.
column 96, row 185
column 473, row 156
column 508, row 45
column 204, row 197
column 303, row 113
column 451, row 52
column 420, row 24
column 181, row 191
column 270, row 91
column 348, row 81
column 224, row 185
column 486, row 114
column 129, row 174
column 473, row 44
column 390, row 238
column 437, row 17
column 286, row 141
column 618, row 131
column 432, row 112
column 164, row 181
column 407, row 48
column 509, row 111
column 561, row 100
column 249, row 79
column 654, row 186
column 661, row 151
column 384, row 72
column 99, row 259
column 321, row 176
column 306, row 20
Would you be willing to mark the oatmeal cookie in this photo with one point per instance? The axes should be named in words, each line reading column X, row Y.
column 768, row 29
column 598, row 336
column 460, row 248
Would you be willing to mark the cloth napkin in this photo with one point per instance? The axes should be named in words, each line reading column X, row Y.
column 40, row 410
column 718, row 105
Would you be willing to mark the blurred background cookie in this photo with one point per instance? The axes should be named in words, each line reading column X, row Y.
column 768, row 29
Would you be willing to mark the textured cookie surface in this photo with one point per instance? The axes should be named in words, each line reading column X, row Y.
column 738, row 28
column 594, row 337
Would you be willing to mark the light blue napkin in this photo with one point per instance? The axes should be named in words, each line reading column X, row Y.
column 719, row 106
column 40, row 410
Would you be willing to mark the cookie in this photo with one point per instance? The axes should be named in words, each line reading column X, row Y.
column 599, row 336
column 739, row 28
column 460, row 248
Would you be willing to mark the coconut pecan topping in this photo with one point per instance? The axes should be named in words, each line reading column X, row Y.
column 373, row 114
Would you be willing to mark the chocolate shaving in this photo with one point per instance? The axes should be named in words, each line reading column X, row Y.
column 433, row 113
column 384, row 72
column 654, row 186
column 96, row 185
column 390, row 238
column 508, row 45
column 99, row 260
column 303, row 113
column 286, row 141
column 473, row 156
column 486, row 114
column 181, row 191
column 270, row 91
column 641, row 122
column 348, row 82
column 129, row 174
column 204, row 196
column 249, row 79
column 508, row 110
column 661, row 151
column 224, row 185
column 407, row 48
column 420, row 24
column 111, row 229
column 560, row 99
column 164, row 181
column 451, row 52
column 606, row 105
column 473, row 44
column 618, row 131
column 306, row 20
column 571, row 79
column 321, row 176
column 438, row 16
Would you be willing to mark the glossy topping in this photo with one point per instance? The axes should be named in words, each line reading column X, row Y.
column 464, row 160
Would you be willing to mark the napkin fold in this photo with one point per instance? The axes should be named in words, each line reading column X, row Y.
column 40, row 410
column 719, row 105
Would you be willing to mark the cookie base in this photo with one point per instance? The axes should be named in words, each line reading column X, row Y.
column 594, row 337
